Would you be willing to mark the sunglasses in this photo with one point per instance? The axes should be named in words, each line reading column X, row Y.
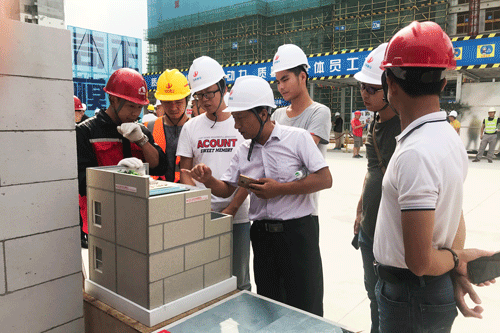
column 369, row 89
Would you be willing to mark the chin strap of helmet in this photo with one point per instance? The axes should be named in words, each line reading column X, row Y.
column 255, row 111
column 221, row 90
column 120, row 106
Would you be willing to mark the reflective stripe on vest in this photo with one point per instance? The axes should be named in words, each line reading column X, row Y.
column 159, row 137
column 490, row 126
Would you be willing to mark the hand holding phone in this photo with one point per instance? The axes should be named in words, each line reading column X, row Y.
column 484, row 269
column 244, row 181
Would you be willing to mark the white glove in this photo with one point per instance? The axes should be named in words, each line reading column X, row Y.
column 131, row 131
column 131, row 162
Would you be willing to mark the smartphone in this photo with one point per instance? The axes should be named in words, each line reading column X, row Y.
column 484, row 268
column 244, row 181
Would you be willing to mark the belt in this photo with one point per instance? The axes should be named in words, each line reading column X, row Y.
column 278, row 226
column 396, row 275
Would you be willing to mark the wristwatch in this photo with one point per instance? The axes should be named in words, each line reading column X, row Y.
column 142, row 141
column 455, row 256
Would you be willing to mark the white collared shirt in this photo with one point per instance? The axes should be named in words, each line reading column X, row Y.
column 287, row 150
column 426, row 172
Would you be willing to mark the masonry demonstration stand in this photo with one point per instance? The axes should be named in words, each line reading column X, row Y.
column 154, row 254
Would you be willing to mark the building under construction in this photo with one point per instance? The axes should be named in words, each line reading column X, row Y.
column 235, row 32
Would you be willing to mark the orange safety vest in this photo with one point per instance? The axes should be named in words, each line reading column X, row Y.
column 159, row 137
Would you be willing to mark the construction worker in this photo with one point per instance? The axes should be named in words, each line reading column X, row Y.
column 290, row 66
column 420, row 230
column 113, row 137
column 380, row 145
column 452, row 117
column 357, row 134
column 79, row 110
column 488, row 136
column 211, row 138
column 173, row 93
column 285, row 237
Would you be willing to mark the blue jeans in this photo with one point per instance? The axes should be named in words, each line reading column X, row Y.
column 366, row 247
column 241, row 255
column 413, row 308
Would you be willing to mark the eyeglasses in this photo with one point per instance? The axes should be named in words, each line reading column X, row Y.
column 207, row 95
column 369, row 89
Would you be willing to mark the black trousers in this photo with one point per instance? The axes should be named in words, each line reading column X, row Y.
column 287, row 262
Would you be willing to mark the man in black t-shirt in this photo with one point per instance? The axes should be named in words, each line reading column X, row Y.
column 338, row 128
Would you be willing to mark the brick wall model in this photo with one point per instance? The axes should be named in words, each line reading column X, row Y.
column 40, row 256
column 154, row 250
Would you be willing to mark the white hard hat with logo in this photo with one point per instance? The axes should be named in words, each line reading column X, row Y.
column 249, row 92
column 453, row 113
column 289, row 56
column 370, row 72
column 203, row 73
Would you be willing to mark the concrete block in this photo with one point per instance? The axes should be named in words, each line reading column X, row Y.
column 198, row 202
column 156, row 238
column 202, row 252
column 131, row 223
column 132, row 275
column 103, row 271
column 104, row 180
column 48, row 44
column 182, row 232
column 101, row 214
column 33, row 106
column 165, row 264
column 40, row 258
column 217, row 224
column 155, row 294
column 183, row 284
column 225, row 245
column 76, row 326
column 217, row 271
column 34, row 150
column 166, row 208
column 132, row 185
column 28, row 211
column 43, row 306
column 2, row 271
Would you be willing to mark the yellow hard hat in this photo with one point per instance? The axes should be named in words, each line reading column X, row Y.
column 151, row 107
column 172, row 85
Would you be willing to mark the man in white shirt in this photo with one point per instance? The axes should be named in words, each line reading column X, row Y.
column 420, row 230
column 212, row 139
column 285, row 238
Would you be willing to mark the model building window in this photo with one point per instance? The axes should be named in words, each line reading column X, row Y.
column 98, row 259
column 492, row 19
column 463, row 22
column 97, row 214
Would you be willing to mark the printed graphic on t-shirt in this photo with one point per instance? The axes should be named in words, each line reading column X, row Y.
column 216, row 144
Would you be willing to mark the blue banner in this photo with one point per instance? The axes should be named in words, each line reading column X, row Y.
column 91, row 92
column 477, row 51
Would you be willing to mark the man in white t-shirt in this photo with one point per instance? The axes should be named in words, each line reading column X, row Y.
column 212, row 139
column 290, row 67
column 420, row 230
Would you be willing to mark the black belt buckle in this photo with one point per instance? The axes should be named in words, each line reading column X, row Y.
column 274, row 227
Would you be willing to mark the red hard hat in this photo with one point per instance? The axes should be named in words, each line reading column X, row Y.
column 420, row 44
column 128, row 84
column 78, row 104
column 357, row 112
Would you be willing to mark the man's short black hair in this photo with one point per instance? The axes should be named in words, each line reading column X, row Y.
column 418, row 81
column 297, row 70
column 222, row 85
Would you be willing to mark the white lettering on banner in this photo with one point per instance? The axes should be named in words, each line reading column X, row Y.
column 126, row 188
column 262, row 72
column 352, row 68
column 196, row 199
column 335, row 65
column 154, row 82
column 243, row 72
column 319, row 67
column 230, row 75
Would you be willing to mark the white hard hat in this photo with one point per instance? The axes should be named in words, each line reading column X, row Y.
column 492, row 109
column 370, row 72
column 453, row 113
column 84, row 106
column 337, row 113
column 203, row 73
column 226, row 98
column 249, row 92
column 288, row 56
column 96, row 111
column 158, row 102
